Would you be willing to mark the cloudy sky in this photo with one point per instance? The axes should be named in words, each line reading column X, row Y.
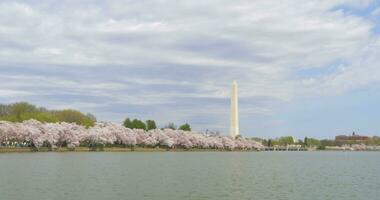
column 304, row 68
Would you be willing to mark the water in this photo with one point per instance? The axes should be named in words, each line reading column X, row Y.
column 190, row 175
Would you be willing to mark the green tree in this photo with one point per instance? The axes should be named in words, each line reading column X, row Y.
column 41, row 116
column 185, row 127
column 324, row 143
column 286, row 140
column 375, row 140
column 4, row 110
column 150, row 124
column 16, row 110
column 138, row 124
column 311, row 142
column 269, row 142
column 128, row 123
column 135, row 123
column 74, row 116
column 21, row 111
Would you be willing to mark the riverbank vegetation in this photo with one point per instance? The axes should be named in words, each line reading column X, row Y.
column 13, row 149
column 24, row 125
column 323, row 144
column 151, row 124
column 36, row 134
column 21, row 111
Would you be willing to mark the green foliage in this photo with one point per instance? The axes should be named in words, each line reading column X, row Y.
column 40, row 116
column 150, row 124
column 18, row 112
column 4, row 110
column 73, row 116
column 324, row 143
column 373, row 141
column 282, row 141
column 185, row 127
column 135, row 123
column 311, row 142
column 128, row 123
column 18, row 109
column 138, row 124
column 320, row 147
column 286, row 140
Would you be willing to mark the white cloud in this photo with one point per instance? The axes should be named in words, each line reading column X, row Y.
column 13, row 93
column 376, row 12
column 200, row 46
column 361, row 72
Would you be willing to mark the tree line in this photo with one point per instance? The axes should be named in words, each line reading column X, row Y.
column 21, row 111
column 34, row 134
column 151, row 124
column 312, row 142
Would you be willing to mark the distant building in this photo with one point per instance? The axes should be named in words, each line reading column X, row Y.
column 353, row 138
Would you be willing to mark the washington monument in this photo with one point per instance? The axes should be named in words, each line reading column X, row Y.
column 234, row 129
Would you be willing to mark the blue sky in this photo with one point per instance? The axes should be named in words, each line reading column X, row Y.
column 304, row 68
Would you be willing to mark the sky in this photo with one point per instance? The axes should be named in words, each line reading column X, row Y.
column 304, row 68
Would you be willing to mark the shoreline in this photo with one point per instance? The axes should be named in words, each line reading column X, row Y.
column 110, row 149
column 140, row 149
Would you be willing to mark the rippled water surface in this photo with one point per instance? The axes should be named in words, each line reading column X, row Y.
column 190, row 175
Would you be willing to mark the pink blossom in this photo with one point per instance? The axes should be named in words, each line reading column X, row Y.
column 57, row 134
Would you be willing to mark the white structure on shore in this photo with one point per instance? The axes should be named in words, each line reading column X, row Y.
column 234, row 126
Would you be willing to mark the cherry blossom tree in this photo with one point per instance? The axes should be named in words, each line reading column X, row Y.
column 37, row 134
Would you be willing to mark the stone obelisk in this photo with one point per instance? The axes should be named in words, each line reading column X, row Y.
column 234, row 126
